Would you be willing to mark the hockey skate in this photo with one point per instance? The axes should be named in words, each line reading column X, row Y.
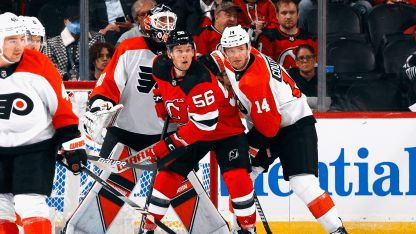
column 245, row 231
column 340, row 230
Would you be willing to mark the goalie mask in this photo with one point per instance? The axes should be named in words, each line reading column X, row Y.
column 159, row 22
column 10, row 26
column 35, row 33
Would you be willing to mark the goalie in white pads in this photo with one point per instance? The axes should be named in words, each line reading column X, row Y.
column 36, row 119
column 279, row 118
column 126, row 80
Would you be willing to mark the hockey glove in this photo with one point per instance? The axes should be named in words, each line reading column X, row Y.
column 73, row 155
column 162, row 148
column 101, row 116
column 160, row 105
column 214, row 62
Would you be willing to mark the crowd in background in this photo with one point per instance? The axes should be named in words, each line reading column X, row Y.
column 285, row 30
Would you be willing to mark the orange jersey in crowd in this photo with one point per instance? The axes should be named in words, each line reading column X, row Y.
column 33, row 102
column 282, row 47
column 264, row 10
column 269, row 98
column 203, row 109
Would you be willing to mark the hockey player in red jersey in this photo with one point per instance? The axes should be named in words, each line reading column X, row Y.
column 280, row 119
column 36, row 119
column 280, row 42
column 208, row 120
column 126, row 80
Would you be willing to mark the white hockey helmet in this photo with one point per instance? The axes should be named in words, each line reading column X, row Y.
column 10, row 26
column 234, row 36
column 34, row 28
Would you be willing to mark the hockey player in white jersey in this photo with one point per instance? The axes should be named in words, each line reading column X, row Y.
column 35, row 33
column 36, row 120
column 126, row 80
column 278, row 118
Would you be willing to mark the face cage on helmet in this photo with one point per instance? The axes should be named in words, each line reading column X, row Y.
column 161, row 33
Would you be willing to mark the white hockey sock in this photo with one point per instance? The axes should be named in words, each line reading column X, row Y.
column 307, row 188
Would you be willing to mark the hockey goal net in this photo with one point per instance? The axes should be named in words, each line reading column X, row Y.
column 68, row 190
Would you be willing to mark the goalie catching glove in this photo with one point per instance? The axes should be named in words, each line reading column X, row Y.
column 162, row 148
column 101, row 116
column 73, row 153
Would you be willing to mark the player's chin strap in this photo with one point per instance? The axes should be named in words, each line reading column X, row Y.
column 4, row 58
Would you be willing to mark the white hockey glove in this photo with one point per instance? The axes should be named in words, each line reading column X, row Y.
column 101, row 116
column 255, row 172
column 410, row 67
column 73, row 155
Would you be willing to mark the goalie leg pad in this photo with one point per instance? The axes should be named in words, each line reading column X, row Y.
column 31, row 205
column 7, row 207
column 307, row 188
column 241, row 191
column 166, row 185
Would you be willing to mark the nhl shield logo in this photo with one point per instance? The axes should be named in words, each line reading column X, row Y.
column 3, row 74
column 233, row 154
column 173, row 83
column 292, row 38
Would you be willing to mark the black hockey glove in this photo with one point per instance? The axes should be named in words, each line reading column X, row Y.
column 73, row 155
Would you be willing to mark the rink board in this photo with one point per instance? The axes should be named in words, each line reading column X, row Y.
column 368, row 166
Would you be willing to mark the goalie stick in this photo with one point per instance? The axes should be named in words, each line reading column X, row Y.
column 125, row 199
column 150, row 167
column 261, row 214
column 152, row 181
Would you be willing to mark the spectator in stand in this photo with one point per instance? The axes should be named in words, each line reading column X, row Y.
column 100, row 55
column 139, row 11
column 376, row 2
column 193, row 15
column 257, row 15
column 305, row 76
column 362, row 6
column 280, row 42
column 110, row 17
column 36, row 39
column 208, row 39
column 63, row 50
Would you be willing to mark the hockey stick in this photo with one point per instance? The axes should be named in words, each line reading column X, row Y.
column 125, row 199
column 152, row 180
column 261, row 214
column 150, row 167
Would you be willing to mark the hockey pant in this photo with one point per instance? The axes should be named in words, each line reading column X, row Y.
column 237, row 181
column 33, row 210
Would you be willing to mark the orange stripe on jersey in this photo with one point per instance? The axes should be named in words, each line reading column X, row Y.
column 37, row 63
column 321, row 205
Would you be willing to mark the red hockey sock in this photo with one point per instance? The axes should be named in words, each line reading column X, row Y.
column 37, row 225
column 241, row 190
column 166, row 186
column 7, row 227
column 321, row 205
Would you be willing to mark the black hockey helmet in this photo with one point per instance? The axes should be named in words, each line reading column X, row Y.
column 179, row 37
column 154, row 25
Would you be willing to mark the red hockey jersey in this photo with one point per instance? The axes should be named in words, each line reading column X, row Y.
column 281, row 46
column 207, row 40
column 200, row 105
column 33, row 103
column 264, row 10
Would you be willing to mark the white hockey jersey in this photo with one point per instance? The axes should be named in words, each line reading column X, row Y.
column 268, row 98
column 33, row 101
column 128, row 80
